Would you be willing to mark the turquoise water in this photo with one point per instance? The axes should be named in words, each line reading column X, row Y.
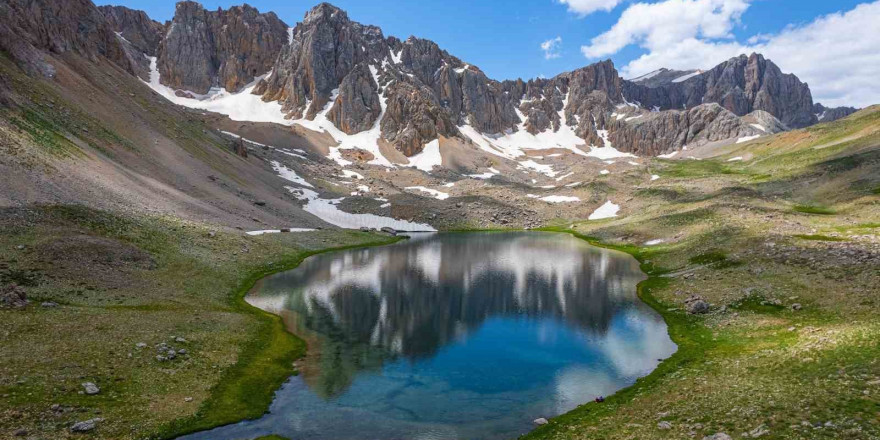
column 455, row 336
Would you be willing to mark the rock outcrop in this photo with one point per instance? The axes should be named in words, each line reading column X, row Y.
column 428, row 92
column 135, row 27
column 742, row 85
column 357, row 106
column 58, row 26
column 228, row 49
column 828, row 114
column 662, row 132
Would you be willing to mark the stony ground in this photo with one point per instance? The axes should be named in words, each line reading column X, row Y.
column 143, row 308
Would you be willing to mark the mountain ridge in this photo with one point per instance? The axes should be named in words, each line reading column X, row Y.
column 351, row 76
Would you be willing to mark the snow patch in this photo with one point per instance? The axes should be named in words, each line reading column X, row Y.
column 289, row 175
column 647, row 75
column 439, row 195
column 541, row 168
column 241, row 106
column 735, row 159
column 608, row 210
column 607, row 151
column 278, row 231
column 654, row 177
column 747, row 138
column 684, row 78
column 654, row 242
column 560, row 199
column 328, row 211
column 428, row 158
column 561, row 178
column 759, row 127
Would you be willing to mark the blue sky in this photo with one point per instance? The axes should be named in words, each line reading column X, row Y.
column 504, row 38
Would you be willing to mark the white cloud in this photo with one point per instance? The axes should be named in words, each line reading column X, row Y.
column 835, row 54
column 586, row 7
column 655, row 26
column 551, row 48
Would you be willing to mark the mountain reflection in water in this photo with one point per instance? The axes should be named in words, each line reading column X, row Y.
column 462, row 335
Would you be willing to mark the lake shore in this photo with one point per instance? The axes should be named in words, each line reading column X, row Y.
column 109, row 295
column 734, row 333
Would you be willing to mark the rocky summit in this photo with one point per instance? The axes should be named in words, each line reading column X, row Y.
column 413, row 92
column 204, row 49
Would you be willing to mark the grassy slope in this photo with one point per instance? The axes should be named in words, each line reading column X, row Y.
column 237, row 356
column 791, row 225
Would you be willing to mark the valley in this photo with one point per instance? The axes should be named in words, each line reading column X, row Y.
column 149, row 177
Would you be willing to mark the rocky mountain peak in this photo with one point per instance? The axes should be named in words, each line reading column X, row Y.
column 205, row 49
column 324, row 11
column 741, row 85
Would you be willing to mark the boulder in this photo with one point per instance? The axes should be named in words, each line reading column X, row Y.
column 695, row 305
column 86, row 425
column 13, row 296
column 90, row 388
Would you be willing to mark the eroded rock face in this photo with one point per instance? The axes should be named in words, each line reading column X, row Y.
column 414, row 117
column 228, row 49
column 661, row 132
column 136, row 27
column 357, row 105
column 428, row 92
column 324, row 49
column 59, row 26
column 742, row 85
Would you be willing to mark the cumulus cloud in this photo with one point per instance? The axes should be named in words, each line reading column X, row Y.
column 586, row 7
column 836, row 53
column 655, row 26
column 551, row 48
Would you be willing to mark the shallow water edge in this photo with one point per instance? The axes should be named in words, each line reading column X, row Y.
column 641, row 293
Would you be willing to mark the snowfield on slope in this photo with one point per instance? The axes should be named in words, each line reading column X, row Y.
column 608, row 210
column 327, row 210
